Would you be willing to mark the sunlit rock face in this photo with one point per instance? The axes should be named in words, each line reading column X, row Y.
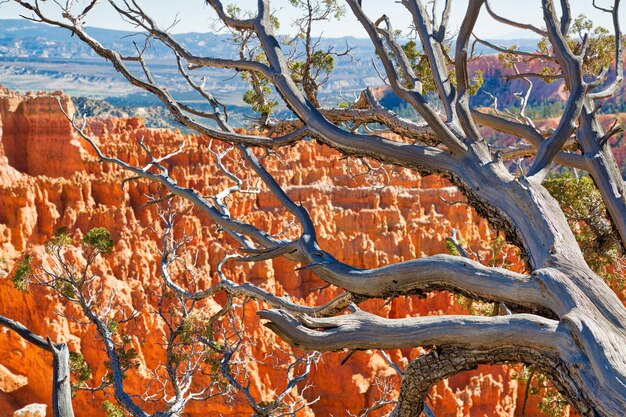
column 50, row 178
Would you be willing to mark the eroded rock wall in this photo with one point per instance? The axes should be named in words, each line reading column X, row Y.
column 49, row 179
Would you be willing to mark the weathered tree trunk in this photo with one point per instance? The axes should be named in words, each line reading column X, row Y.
column 593, row 367
column 584, row 353
column 61, row 384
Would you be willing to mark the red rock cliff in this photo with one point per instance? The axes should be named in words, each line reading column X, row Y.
column 48, row 179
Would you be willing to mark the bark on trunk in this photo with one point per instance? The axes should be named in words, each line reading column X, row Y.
column 61, row 385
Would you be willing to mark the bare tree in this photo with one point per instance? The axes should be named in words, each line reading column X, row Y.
column 566, row 321
column 197, row 343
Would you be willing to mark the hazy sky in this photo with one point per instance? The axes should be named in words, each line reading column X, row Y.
column 197, row 17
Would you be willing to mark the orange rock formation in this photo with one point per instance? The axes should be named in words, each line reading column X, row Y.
column 49, row 178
